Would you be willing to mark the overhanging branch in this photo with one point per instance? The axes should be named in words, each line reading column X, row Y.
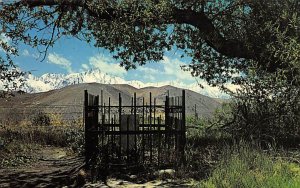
column 230, row 48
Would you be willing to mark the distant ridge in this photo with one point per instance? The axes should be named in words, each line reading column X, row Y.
column 50, row 81
column 73, row 95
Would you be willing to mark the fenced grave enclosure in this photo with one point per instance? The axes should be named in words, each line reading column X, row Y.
column 144, row 133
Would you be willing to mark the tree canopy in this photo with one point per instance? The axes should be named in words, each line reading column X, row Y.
column 225, row 39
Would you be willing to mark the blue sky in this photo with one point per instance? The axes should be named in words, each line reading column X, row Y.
column 70, row 55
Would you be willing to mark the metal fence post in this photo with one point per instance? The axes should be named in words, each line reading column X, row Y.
column 86, row 124
column 183, row 130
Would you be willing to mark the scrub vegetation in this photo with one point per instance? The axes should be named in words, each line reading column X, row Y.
column 253, row 141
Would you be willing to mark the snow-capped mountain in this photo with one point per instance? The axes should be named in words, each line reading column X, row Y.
column 52, row 81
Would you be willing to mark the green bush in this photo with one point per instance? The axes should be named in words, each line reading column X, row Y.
column 265, row 109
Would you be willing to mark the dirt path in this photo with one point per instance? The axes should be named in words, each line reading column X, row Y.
column 54, row 168
column 155, row 183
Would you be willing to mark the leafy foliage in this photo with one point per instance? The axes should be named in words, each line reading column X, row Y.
column 254, row 44
column 10, row 76
column 222, row 38
column 265, row 108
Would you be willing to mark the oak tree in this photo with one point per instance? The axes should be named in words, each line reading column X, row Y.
column 225, row 40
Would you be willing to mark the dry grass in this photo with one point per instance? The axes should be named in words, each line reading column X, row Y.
column 19, row 142
column 242, row 165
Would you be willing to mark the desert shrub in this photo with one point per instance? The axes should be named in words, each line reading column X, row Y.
column 263, row 109
column 41, row 119
column 12, row 116
column 210, row 129
column 75, row 139
column 199, row 160
column 75, row 121
column 55, row 119
column 202, row 150
column 195, row 126
column 45, row 135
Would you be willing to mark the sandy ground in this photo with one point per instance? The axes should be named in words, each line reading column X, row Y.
column 58, row 168
column 54, row 167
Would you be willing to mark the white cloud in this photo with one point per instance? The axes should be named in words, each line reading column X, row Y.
column 149, row 77
column 172, row 67
column 54, row 81
column 5, row 38
column 167, row 72
column 60, row 61
column 25, row 53
column 36, row 55
column 105, row 65
column 85, row 66
column 148, row 70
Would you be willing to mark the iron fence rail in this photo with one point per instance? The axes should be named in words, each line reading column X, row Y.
column 147, row 134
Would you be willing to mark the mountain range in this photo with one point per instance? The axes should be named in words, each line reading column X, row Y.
column 63, row 94
column 68, row 101
column 51, row 81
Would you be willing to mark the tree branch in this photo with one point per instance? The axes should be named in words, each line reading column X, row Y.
column 36, row 3
column 211, row 35
column 230, row 48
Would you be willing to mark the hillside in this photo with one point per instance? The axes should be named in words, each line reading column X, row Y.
column 69, row 100
column 52, row 81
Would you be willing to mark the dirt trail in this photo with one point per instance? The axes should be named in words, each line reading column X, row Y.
column 57, row 168
column 54, row 168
